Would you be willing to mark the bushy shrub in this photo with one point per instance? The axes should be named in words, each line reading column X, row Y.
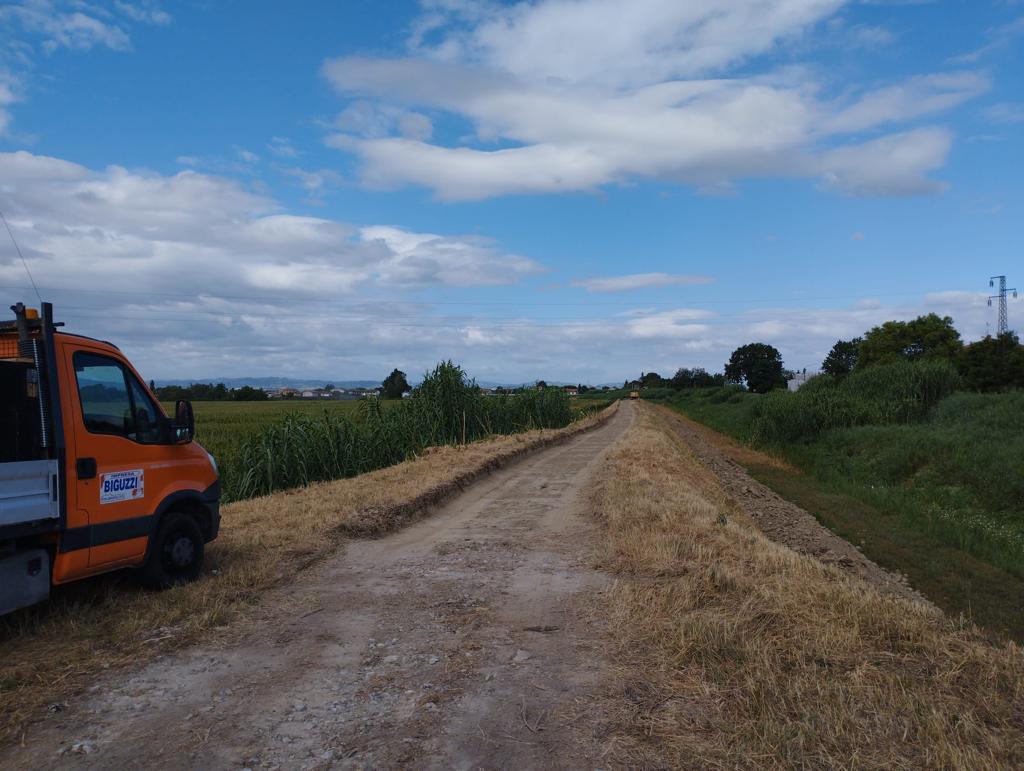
column 884, row 394
column 725, row 393
column 658, row 393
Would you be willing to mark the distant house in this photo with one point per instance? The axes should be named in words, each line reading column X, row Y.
column 572, row 390
column 799, row 379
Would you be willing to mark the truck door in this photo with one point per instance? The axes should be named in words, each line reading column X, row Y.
column 117, row 449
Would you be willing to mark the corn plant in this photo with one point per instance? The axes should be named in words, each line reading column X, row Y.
column 447, row 408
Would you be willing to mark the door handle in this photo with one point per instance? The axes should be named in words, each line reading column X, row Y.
column 85, row 468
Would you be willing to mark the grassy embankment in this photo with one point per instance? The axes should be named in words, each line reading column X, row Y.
column 735, row 652
column 52, row 651
column 926, row 481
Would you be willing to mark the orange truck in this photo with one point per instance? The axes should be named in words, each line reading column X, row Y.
column 94, row 476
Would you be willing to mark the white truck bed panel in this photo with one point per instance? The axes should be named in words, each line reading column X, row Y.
column 28, row 491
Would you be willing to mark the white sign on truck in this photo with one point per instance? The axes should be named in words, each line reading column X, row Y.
column 122, row 486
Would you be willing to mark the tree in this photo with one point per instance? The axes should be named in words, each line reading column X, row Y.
column 541, row 385
column 926, row 337
column 329, row 387
column 249, row 394
column 652, row 380
column 842, row 358
column 697, row 377
column 756, row 365
column 993, row 363
column 395, row 385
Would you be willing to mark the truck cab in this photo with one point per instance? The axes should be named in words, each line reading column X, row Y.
column 94, row 476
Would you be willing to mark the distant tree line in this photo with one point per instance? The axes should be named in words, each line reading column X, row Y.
column 208, row 392
column 990, row 364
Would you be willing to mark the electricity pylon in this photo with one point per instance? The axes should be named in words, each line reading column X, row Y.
column 1003, row 327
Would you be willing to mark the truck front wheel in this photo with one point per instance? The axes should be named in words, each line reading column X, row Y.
column 176, row 556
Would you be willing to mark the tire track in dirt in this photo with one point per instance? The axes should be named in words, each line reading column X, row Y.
column 459, row 642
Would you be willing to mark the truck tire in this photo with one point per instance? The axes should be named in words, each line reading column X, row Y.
column 176, row 555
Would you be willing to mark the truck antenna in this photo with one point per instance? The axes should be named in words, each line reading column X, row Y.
column 22, row 256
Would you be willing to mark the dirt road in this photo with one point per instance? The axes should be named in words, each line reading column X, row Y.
column 460, row 642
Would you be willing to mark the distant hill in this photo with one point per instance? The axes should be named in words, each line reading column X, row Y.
column 272, row 382
column 303, row 383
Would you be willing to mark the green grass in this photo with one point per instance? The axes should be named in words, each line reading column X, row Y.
column 955, row 580
column 936, row 493
column 222, row 426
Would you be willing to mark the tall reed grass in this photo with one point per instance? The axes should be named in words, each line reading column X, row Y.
column 885, row 394
column 447, row 408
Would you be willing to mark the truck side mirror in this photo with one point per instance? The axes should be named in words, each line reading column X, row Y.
column 183, row 430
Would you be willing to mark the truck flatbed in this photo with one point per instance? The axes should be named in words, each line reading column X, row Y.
column 29, row 492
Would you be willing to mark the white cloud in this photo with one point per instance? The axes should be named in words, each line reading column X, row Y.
column 7, row 98
column 76, row 26
column 195, row 276
column 999, row 38
column 557, row 106
column 639, row 281
column 313, row 181
column 282, row 147
column 119, row 229
column 619, row 44
column 910, row 99
column 367, row 119
column 1005, row 112
column 867, row 169
column 247, row 156
column 75, row 30
column 145, row 12
column 461, row 261
column 413, row 125
column 677, row 325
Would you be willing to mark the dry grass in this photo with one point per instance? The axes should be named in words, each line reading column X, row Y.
column 734, row 651
column 742, row 453
column 53, row 651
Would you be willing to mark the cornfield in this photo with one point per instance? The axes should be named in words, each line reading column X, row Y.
column 447, row 408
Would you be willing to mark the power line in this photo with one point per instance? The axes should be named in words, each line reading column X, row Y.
column 22, row 256
column 426, row 322
column 276, row 300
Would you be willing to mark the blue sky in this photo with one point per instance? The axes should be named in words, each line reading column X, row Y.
column 573, row 190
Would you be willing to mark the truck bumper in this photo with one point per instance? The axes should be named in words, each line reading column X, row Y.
column 211, row 499
column 214, row 507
